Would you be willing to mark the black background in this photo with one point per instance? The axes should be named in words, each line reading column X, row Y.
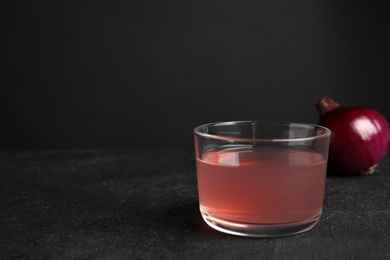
column 84, row 74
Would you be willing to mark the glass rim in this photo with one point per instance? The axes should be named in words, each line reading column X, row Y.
column 327, row 132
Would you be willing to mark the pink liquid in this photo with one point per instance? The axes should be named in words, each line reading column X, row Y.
column 263, row 186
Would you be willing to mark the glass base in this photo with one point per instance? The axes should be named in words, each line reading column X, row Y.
column 259, row 230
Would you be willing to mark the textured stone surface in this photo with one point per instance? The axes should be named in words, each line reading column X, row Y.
column 142, row 204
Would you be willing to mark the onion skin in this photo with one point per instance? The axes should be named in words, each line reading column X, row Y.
column 360, row 137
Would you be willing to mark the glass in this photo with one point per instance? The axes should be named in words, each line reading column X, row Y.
column 261, row 179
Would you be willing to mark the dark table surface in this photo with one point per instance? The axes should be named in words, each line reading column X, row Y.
column 143, row 204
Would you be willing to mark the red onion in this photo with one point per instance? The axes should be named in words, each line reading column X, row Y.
column 360, row 136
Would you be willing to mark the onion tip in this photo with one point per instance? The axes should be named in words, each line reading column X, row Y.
column 325, row 105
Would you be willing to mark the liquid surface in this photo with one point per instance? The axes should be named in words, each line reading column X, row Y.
column 264, row 186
